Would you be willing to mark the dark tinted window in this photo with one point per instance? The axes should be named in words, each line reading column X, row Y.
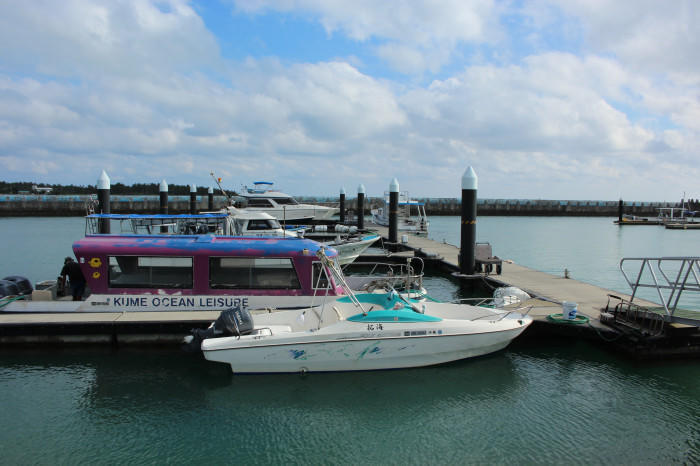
column 255, row 202
column 150, row 272
column 252, row 273
column 285, row 201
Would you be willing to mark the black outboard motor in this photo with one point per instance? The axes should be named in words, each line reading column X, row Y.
column 232, row 322
column 23, row 284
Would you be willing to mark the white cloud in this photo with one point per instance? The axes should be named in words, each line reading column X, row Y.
column 552, row 124
column 414, row 35
column 649, row 35
column 121, row 37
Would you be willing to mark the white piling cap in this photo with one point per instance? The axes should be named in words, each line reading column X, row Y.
column 342, row 190
column 361, row 189
column 103, row 181
column 394, row 186
column 163, row 186
column 210, row 190
column 469, row 179
column 193, row 188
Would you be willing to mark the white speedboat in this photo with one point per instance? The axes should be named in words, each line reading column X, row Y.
column 411, row 216
column 263, row 198
column 360, row 332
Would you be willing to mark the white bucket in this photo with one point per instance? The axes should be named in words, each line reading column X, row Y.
column 568, row 310
column 404, row 239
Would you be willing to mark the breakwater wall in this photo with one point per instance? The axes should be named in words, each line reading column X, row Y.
column 522, row 207
column 76, row 205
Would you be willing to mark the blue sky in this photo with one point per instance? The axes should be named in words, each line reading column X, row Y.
column 546, row 99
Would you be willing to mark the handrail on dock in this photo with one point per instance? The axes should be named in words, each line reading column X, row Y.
column 678, row 274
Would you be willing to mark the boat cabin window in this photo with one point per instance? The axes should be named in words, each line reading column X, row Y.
column 319, row 283
column 252, row 273
column 150, row 272
column 259, row 225
column 285, row 201
column 259, row 202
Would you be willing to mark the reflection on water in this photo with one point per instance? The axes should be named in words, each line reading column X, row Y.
column 543, row 405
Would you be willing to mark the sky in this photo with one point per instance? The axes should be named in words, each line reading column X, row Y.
column 545, row 99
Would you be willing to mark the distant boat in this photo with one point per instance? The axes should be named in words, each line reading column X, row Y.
column 263, row 198
column 411, row 215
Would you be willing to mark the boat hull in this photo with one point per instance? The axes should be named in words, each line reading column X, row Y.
column 360, row 351
column 298, row 213
column 349, row 251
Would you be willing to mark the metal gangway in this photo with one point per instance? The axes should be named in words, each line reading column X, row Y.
column 670, row 277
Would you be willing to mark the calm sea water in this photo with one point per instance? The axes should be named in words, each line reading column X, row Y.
column 558, row 402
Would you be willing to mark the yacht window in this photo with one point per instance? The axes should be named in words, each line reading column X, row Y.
column 285, row 201
column 258, row 202
column 315, row 283
column 258, row 225
column 252, row 273
column 150, row 272
column 274, row 224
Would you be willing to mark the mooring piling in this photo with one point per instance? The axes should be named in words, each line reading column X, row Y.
column 342, row 205
column 393, row 211
column 619, row 211
column 103, row 194
column 468, row 229
column 361, row 207
column 163, row 191
column 193, row 199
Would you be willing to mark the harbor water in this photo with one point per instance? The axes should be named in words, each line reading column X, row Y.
column 549, row 402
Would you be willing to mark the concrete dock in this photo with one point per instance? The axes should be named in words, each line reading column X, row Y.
column 549, row 290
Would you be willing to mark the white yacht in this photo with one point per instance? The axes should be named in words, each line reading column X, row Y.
column 262, row 197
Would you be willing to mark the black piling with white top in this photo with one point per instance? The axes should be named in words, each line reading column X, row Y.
column 342, row 205
column 468, row 228
column 210, row 197
column 103, row 195
column 163, row 191
column 394, row 211
column 193, row 199
column 619, row 211
column 361, row 207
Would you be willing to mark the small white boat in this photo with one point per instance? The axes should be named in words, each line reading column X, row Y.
column 361, row 332
column 411, row 215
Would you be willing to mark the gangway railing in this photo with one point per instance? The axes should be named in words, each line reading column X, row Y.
column 669, row 277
